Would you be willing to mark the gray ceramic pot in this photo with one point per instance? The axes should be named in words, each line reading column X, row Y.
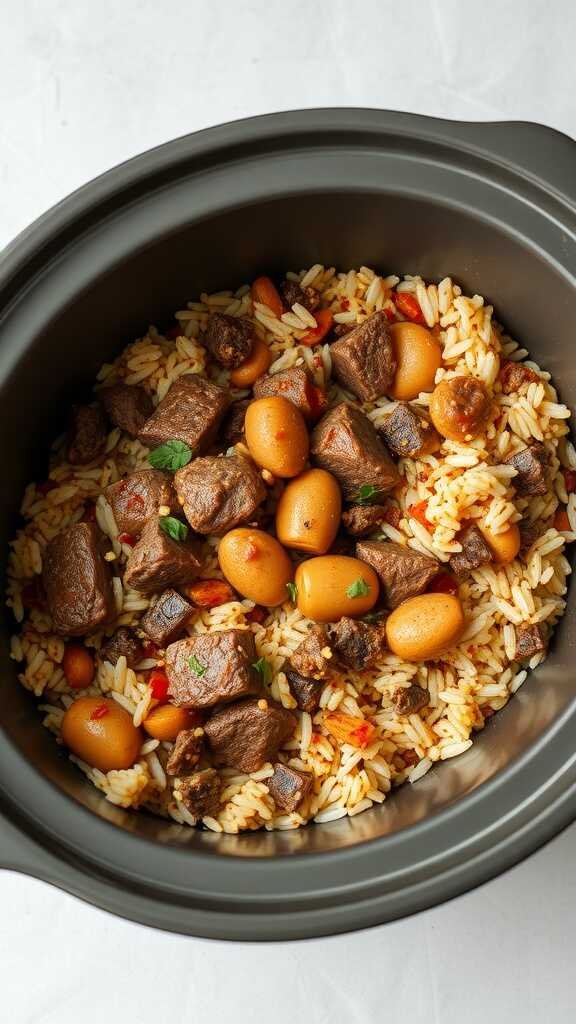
column 492, row 205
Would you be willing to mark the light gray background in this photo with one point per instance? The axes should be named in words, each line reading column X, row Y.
column 83, row 85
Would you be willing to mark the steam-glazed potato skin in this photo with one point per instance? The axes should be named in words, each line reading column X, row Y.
column 256, row 565
column 101, row 733
column 323, row 586
column 308, row 512
column 418, row 356
column 424, row 627
column 276, row 436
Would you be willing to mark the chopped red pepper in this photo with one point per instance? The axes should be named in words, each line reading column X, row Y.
column 389, row 313
column 210, row 593
column 408, row 306
column 256, row 614
column 100, row 711
column 280, row 435
column 324, row 320
column 443, row 583
column 570, row 480
column 418, row 512
column 127, row 538
column 561, row 521
column 159, row 684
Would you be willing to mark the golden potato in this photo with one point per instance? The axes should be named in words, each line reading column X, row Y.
column 101, row 733
column 418, row 356
column 331, row 586
column 253, row 367
column 166, row 721
column 276, row 435
column 424, row 627
column 256, row 565
column 308, row 512
column 505, row 546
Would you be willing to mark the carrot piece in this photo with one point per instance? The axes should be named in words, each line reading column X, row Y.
column 561, row 521
column 348, row 729
column 418, row 512
column 209, row 593
column 408, row 306
column 324, row 319
column 78, row 666
column 264, row 290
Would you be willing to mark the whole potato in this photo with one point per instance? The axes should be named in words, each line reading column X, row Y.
column 276, row 435
column 505, row 546
column 418, row 356
column 256, row 565
column 166, row 721
column 333, row 586
column 424, row 627
column 308, row 512
column 253, row 367
column 101, row 733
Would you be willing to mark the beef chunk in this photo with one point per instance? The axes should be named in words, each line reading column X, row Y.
column 409, row 433
column 364, row 360
column 212, row 668
column 200, row 793
column 513, row 376
column 87, row 433
column 530, row 640
column 123, row 642
column 157, row 561
column 531, row 464
column 297, row 386
column 475, row 551
column 292, row 293
column 166, row 619
column 346, row 444
column 229, row 339
column 359, row 645
column 361, row 520
column 77, row 581
column 306, row 692
column 408, row 700
column 287, row 787
column 128, row 407
column 312, row 657
column 530, row 530
column 341, row 330
column 249, row 733
column 186, row 752
column 136, row 498
column 233, row 427
column 218, row 494
column 402, row 571
column 192, row 412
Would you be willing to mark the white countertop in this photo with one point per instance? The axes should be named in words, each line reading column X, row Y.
column 85, row 84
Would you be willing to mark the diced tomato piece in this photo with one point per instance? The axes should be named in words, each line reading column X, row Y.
column 256, row 614
column 349, row 729
column 418, row 511
column 389, row 313
column 159, row 684
column 561, row 521
column 45, row 487
column 210, row 593
column 127, row 538
column 408, row 306
column 263, row 290
column 443, row 583
column 174, row 333
column 570, row 480
column 344, row 305
column 324, row 320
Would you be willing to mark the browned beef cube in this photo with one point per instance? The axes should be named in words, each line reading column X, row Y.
column 287, row 787
column 123, row 643
column 212, row 668
column 359, row 645
column 218, row 494
column 292, row 293
column 530, row 530
column 232, row 430
column 165, row 620
column 136, row 498
column 249, row 733
column 346, row 444
column 408, row 700
column 531, row 464
column 341, row 330
column 157, row 561
column 306, row 692
column 128, row 406
column 312, row 657
column 530, row 640
column 87, row 433
column 513, row 376
column 229, row 339
column 200, row 793
column 409, row 433
column 475, row 551
column 364, row 360
column 186, row 752
column 192, row 412
column 77, row 581
column 297, row 386
column 361, row 520
column 402, row 572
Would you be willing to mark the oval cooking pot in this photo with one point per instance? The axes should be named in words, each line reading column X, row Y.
column 493, row 205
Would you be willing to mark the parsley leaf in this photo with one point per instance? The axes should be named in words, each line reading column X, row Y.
column 365, row 493
column 172, row 455
column 173, row 527
column 359, row 588
column 197, row 667
column 292, row 590
column 264, row 668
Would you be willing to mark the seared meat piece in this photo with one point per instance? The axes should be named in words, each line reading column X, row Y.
column 157, row 561
column 249, row 733
column 513, row 376
column 87, row 433
column 341, row 330
column 297, row 386
column 530, row 530
column 77, row 581
column 232, row 430
column 186, row 752
column 408, row 700
column 200, row 793
column 212, row 668
column 359, row 645
column 409, row 433
column 128, row 407
column 364, row 360
column 123, row 642
column 475, row 551
column 287, row 787
column 166, row 619
column 306, row 692
column 136, row 498
column 360, row 520
column 530, row 640
column 402, row 571
column 345, row 443
column 191, row 411
column 218, row 494
column 312, row 657
column 229, row 339
column 531, row 464
column 292, row 293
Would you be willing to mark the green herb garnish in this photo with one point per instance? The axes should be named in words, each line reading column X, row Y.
column 359, row 588
column 264, row 668
column 173, row 528
column 365, row 493
column 172, row 455
column 292, row 590
column 197, row 667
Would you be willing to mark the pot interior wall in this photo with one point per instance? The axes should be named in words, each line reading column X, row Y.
column 390, row 232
